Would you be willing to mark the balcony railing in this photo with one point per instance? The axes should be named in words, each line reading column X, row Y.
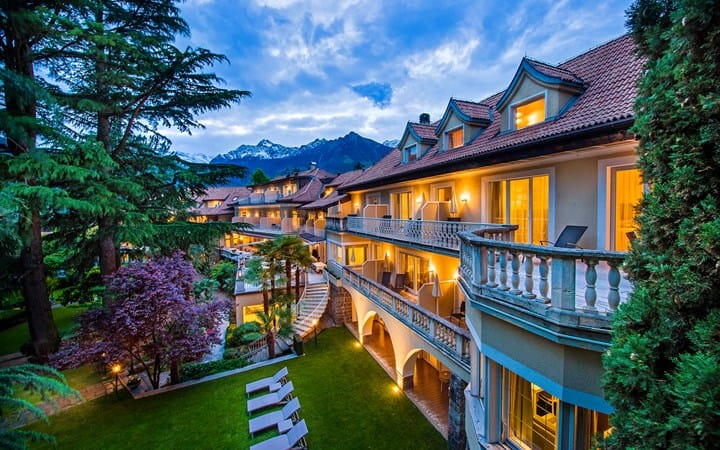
column 431, row 233
column 574, row 287
column 451, row 340
column 338, row 224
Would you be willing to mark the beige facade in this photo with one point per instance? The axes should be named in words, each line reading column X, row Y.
column 450, row 252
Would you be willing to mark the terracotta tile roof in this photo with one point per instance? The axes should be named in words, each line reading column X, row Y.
column 554, row 71
column 610, row 72
column 228, row 195
column 316, row 172
column 424, row 131
column 308, row 193
column 474, row 110
column 334, row 197
column 344, row 177
column 326, row 202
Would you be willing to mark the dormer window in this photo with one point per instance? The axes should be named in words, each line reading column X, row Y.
column 529, row 112
column 454, row 138
column 410, row 153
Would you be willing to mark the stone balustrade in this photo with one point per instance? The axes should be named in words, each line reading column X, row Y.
column 451, row 340
column 437, row 234
column 549, row 281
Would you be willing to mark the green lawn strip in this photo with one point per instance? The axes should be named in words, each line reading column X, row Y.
column 346, row 399
column 12, row 338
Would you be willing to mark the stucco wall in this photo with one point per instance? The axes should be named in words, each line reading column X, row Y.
column 557, row 368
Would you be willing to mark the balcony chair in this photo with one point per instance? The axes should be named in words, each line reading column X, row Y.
column 272, row 399
column 272, row 383
column 272, row 419
column 460, row 316
column 399, row 282
column 385, row 279
column 293, row 439
column 569, row 237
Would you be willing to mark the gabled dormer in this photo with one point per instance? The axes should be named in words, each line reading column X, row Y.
column 417, row 139
column 538, row 93
column 461, row 122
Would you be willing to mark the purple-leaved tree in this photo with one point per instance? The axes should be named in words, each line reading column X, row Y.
column 150, row 318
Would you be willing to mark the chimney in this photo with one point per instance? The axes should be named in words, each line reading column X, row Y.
column 313, row 165
column 425, row 119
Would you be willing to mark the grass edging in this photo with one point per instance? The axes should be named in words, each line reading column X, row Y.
column 212, row 377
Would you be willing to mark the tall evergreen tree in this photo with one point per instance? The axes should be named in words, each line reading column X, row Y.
column 128, row 80
column 30, row 31
column 664, row 361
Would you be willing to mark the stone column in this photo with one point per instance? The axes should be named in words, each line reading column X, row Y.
column 457, row 440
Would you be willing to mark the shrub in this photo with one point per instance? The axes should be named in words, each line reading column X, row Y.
column 234, row 352
column 195, row 370
column 224, row 273
column 244, row 334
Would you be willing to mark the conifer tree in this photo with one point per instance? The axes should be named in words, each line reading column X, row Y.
column 30, row 31
column 664, row 361
column 126, row 81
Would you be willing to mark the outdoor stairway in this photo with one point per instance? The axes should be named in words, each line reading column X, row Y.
column 310, row 308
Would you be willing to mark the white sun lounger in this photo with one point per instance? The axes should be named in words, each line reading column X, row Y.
column 272, row 419
column 273, row 383
column 271, row 399
column 293, row 439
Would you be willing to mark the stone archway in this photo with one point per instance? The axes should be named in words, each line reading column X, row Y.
column 428, row 390
column 379, row 342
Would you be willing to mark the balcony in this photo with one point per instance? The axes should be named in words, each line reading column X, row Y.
column 435, row 234
column 451, row 340
column 560, row 287
column 338, row 224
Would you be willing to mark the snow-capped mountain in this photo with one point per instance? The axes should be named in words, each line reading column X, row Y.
column 338, row 155
column 266, row 149
column 392, row 143
column 194, row 157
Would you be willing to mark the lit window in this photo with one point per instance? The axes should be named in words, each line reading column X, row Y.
column 454, row 138
column 530, row 113
column 524, row 202
column 410, row 153
column 532, row 414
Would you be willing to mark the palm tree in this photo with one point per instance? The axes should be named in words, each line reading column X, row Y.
column 294, row 251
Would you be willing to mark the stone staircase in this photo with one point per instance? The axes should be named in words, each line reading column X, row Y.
column 310, row 308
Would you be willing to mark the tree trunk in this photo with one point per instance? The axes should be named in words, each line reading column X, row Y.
column 174, row 372
column 266, row 301
column 106, row 248
column 108, row 253
column 288, row 276
column 297, row 284
column 43, row 332
column 22, row 105
column 271, row 344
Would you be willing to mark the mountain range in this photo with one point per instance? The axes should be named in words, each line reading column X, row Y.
column 336, row 156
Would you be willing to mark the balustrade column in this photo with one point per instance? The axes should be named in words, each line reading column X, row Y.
column 515, row 276
column 614, row 281
column 543, row 269
column 503, row 269
column 528, row 263
column 590, row 279
column 491, row 268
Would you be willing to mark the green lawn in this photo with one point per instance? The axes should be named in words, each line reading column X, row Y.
column 347, row 400
column 12, row 338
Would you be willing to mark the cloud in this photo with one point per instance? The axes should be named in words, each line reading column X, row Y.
column 379, row 93
column 321, row 71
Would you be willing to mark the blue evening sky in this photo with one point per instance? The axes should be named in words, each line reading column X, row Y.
column 320, row 69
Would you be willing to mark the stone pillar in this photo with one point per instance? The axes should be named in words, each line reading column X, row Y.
column 340, row 307
column 457, row 440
